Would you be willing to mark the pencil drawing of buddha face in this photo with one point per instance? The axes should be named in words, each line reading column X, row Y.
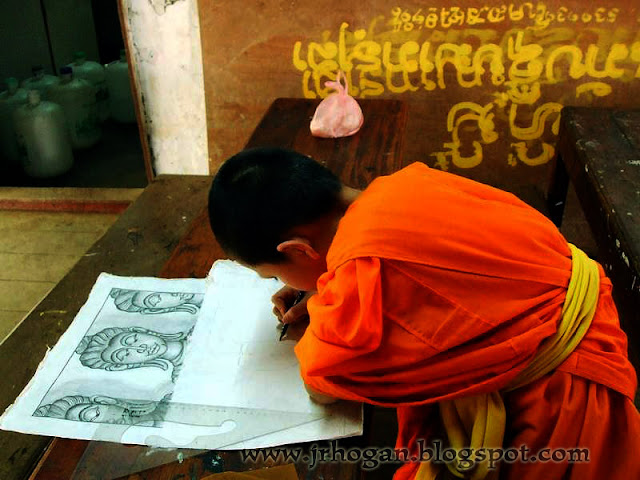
column 129, row 348
column 118, row 348
column 146, row 302
column 102, row 409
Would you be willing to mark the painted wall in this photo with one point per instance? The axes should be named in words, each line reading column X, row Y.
column 485, row 81
column 164, row 43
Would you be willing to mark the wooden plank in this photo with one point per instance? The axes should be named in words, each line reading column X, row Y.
column 138, row 244
column 60, row 459
column 65, row 206
column 82, row 200
column 606, row 166
column 100, row 462
column 195, row 253
column 53, row 194
column 557, row 194
column 601, row 162
column 629, row 124
column 375, row 150
column 201, row 466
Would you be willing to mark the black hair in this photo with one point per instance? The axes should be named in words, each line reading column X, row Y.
column 260, row 194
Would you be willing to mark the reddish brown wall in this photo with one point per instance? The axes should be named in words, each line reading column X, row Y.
column 484, row 81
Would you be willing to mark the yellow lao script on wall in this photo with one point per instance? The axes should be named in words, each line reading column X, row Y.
column 503, row 72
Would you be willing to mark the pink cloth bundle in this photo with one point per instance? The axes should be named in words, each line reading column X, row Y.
column 338, row 115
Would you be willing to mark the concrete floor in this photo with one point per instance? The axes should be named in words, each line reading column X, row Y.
column 38, row 248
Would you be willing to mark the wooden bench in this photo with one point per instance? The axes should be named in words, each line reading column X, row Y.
column 599, row 152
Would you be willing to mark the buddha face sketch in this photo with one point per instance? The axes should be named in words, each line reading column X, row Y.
column 117, row 349
column 128, row 348
column 164, row 300
column 98, row 413
column 103, row 409
column 145, row 302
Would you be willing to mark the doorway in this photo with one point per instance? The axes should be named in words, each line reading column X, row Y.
column 48, row 34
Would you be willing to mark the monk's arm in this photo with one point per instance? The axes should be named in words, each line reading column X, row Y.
column 320, row 398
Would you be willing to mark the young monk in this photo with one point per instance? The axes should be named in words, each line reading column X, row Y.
column 450, row 300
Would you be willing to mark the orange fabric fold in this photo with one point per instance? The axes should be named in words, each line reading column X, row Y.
column 439, row 287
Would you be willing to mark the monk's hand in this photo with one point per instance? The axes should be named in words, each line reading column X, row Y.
column 296, row 330
column 285, row 308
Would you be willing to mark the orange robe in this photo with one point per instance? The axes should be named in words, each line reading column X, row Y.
column 439, row 287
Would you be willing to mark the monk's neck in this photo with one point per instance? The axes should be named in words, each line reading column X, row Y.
column 348, row 196
column 329, row 226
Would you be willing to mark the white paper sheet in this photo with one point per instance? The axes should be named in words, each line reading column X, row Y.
column 146, row 359
column 239, row 334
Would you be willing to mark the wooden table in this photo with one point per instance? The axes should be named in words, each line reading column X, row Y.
column 166, row 233
column 599, row 152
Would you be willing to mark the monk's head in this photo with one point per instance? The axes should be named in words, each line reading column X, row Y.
column 276, row 211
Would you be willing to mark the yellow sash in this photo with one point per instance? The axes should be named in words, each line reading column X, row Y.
column 478, row 422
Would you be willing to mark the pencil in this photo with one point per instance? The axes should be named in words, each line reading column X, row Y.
column 299, row 297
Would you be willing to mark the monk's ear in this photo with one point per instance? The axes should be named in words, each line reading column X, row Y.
column 298, row 246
